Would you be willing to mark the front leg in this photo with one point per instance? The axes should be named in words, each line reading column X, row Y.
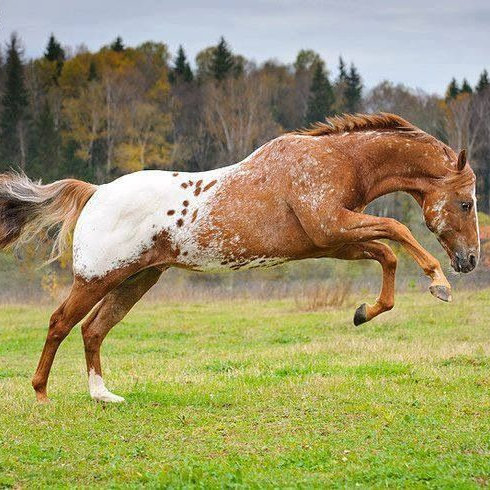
column 347, row 226
column 384, row 255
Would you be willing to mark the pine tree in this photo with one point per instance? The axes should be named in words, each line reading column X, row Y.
column 321, row 98
column 182, row 69
column 483, row 82
column 453, row 89
column 55, row 53
column 222, row 61
column 14, row 105
column 117, row 45
column 466, row 87
column 353, row 90
column 342, row 70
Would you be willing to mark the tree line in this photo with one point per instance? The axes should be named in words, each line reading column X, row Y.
column 97, row 115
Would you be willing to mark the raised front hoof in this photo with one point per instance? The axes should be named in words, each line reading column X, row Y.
column 360, row 316
column 441, row 292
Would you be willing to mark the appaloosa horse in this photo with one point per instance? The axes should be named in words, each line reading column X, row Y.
column 301, row 195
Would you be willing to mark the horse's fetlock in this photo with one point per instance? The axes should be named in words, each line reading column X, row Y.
column 38, row 383
column 433, row 268
column 386, row 305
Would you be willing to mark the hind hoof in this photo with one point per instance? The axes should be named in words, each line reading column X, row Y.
column 360, row 316
column 441, row 292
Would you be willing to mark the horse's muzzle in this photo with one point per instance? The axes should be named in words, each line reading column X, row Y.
column 464, row 262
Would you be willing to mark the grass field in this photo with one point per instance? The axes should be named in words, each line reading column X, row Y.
column 256, row 395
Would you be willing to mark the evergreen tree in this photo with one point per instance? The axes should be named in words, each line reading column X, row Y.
column 55, row 53
column 353, row 90
column 483, row 82
column 182, row 69
column 222, row 61
column 321, row 98
column 466, row 87
column 44, row 158
column 14, row 105
column 453, row 89
column 92, row 71
column 2, row 71
column 342, row 70
column 117, row 45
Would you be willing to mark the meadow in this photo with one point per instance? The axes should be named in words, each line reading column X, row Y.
column 256, row 394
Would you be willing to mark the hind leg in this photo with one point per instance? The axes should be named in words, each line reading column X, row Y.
column 112, row 309
column 82, row 298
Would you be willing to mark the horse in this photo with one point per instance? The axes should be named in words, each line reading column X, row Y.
column 301, row 195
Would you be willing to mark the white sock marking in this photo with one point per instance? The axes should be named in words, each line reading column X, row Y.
column 98, row 391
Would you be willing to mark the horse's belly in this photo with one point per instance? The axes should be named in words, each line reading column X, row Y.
column 210, row 261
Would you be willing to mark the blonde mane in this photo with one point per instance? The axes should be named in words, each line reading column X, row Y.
column 359, row 122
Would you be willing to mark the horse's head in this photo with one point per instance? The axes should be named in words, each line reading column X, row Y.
column 450, row 212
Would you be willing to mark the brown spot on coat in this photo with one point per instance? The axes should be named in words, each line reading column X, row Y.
column 175, row 174
column 170, row 212
column 208, row 186
column 183, row 185
column 184, row 212
column 180, row 222
column 197, row 191
column 186, row 203
column 194, row 216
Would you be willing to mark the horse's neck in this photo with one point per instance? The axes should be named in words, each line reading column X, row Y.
column 400, row 167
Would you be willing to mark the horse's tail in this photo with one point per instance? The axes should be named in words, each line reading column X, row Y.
column 28, row 209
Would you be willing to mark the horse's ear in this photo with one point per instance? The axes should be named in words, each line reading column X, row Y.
column 461, row 160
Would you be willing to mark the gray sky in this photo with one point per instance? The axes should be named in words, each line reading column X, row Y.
column 421, row 43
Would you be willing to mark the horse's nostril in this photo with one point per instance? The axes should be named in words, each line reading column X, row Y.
column 472, row 260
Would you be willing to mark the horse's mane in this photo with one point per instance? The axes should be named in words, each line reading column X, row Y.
column 359, row 122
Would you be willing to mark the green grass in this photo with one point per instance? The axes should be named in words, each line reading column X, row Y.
column 256, row 395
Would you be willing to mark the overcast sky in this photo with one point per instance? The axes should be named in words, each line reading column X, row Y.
column 421, row 43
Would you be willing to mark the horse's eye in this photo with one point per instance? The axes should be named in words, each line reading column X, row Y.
column 466, row 206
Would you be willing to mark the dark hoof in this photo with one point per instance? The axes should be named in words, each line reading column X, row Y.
column 360, row 316
column 441, row 292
